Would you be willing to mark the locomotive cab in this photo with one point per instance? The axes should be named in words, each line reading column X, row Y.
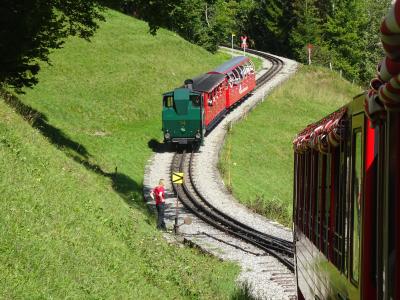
column 182, row 116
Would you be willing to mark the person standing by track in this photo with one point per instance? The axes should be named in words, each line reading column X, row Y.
column 158, row 194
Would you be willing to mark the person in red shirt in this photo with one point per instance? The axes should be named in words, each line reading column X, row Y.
column 158, row 194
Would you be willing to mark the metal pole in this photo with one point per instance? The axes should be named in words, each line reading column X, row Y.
column 176, row 216
column 232, row 43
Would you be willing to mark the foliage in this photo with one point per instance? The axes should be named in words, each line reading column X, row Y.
column 307, row 28
column 274, row 22
column 344, row 39
column 344, row 34
column 373, row 52
column 30, row 29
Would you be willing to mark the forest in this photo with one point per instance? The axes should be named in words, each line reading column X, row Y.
column 341, row 34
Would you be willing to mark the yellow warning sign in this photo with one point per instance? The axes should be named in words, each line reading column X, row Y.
column 177, row 178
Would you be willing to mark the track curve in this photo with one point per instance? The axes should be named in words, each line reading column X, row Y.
column 189, row 195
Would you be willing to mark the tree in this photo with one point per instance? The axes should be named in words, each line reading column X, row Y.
column 269, row 25
column 306, row 28
column 29, row 29
column 374, row 12
column 344, row 38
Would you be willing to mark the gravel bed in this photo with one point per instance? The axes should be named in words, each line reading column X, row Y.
column 265, row 275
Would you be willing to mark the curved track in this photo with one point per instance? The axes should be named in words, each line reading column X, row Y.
column 192, row 199
column 199, row 206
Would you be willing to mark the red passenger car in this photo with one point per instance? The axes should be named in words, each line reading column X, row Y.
column 347, row 191
column 213, row 88
column 241, row 78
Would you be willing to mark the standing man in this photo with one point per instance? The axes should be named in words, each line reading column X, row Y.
column 158, row 194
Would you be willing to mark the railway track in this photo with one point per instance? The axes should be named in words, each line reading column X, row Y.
column 277, row 65
column 193, row 200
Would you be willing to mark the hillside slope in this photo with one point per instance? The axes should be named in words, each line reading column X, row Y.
column 72, row 150
column 257, row 160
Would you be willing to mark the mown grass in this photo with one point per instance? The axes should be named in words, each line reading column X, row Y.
column 73, row 150
column 257, row 159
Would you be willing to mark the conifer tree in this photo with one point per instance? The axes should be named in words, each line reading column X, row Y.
column 306, row 29
column 270, row 25
column 374, row 12
column 343, row 37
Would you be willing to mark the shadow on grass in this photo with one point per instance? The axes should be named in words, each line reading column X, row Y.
column 39, row 121
column 122, row 184
column 158, row 147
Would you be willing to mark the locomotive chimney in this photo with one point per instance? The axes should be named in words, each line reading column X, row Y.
column 189, row 84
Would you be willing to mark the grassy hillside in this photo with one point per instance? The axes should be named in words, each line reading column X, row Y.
column 257, row 160
column 72, row 150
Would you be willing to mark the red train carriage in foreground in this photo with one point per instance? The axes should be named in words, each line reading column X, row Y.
column 190, row 111
column 347, row 191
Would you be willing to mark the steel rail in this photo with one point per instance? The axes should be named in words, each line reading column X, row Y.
column 192, row 201
column 285, row 245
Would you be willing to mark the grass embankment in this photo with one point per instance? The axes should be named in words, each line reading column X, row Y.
column 72, row 219
column 257, row 159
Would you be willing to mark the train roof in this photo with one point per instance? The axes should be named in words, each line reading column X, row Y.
column 230, row 64
column 207, row 82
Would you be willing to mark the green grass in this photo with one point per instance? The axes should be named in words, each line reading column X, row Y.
column 257, row 159
column 73, row 150
column 258, row 62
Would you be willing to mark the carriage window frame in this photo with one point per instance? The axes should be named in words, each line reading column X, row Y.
column 319, row 201
column 195, row 100
column 356, row 200
column 325, row 214
column 168, row 101
column 237, row 77
column 301, row 190
column 306, row 192
column 315, row 195
column 339, row 206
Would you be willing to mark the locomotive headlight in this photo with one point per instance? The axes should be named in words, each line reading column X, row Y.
column 198, row 135
column 167, row 135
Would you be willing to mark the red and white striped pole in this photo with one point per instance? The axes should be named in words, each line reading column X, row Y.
column 244, row 44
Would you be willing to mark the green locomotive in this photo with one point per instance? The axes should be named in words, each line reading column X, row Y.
column 182, row 113
column 192, row 110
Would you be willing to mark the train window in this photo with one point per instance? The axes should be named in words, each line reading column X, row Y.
column 314, row 193
column 168, row 101
column 310, row 195
column 356, row 205
column 300, row 194
column 307, row 194
column 237, row 76
column 195, row 99
column 319, row 200
column 327, row 186
column 297, row 186
column 339, row 187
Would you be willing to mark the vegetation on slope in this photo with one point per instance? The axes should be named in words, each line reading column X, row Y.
column 72, row 218
column 257, row 159
column 343, row 34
